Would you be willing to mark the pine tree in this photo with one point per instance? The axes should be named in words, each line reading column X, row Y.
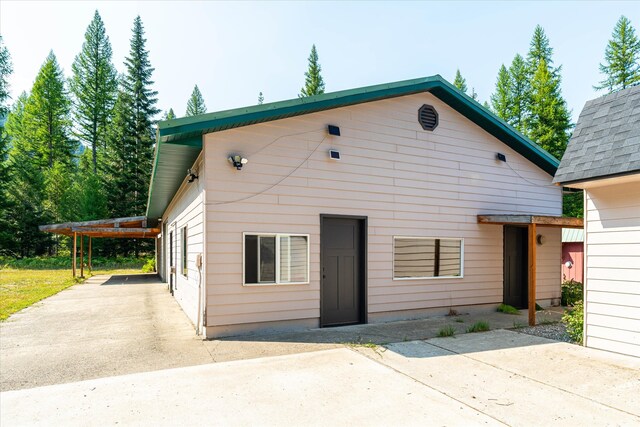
column 539, row 50
column 260, row 99
column 5, row 71
column 313, row 83
column 196, row 105
column 549, row 121
column 94, row 85
column 26, row 180
column 46, row 116
column 131, row 137
column 502, row 97
column 622, row 58
column 460, row 81
column 519, row 103
column 169, row 115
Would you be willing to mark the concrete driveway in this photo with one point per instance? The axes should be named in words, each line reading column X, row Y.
column 106, row 326
column 493, row 378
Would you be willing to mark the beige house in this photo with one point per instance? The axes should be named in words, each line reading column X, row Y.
column 353, row 207
column 603, row 158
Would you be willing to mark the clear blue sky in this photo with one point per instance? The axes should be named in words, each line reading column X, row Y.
column 234, row 50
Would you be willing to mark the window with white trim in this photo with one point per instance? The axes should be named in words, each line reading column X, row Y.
column 427, row 257
column 276, row 259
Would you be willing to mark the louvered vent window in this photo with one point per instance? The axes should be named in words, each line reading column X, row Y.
column 428, row 117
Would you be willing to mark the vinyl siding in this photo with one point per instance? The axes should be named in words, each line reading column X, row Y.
column 612, row 311
column 407, row 181
column 186, row 210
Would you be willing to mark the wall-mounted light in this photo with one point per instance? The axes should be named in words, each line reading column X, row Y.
column 334, row 154
column 237, row 161
column 568, row 264
column 191, row 176
column 541, row 239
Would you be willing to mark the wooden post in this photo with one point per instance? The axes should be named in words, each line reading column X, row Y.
column 81, row 255
column 532, row 274
column 89, row 256
column 75, row 252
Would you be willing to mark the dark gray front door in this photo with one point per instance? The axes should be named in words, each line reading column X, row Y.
column 343, row 276
column 516, row 277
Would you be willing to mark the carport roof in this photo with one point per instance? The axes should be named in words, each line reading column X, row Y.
column 135, row 227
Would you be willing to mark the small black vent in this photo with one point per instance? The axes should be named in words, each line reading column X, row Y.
column 428, row 117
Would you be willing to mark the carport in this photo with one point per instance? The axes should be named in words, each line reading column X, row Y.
column 133, row 227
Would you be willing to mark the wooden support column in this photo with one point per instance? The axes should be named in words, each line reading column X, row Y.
column 81, row 255
column 532, row 273
column 75, row 252
column 89, row 256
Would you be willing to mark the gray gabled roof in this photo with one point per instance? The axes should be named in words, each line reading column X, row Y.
column 606, row 140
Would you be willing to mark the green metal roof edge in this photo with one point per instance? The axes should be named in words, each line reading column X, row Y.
column 189, row 130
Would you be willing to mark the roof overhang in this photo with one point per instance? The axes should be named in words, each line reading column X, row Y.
column 135, row 227
column 542, row 220
column 179, row 141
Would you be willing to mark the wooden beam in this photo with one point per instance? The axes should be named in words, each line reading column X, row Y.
column 89, row 257
column 116, row 230
column 75, row 249
column 532, row 273
column 50, row 227
column 545, row 220
column 557, row 221
column 81, row 255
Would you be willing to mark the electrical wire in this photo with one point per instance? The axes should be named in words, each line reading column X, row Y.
column 525, row 179
column 277, row 183
column 258, row 151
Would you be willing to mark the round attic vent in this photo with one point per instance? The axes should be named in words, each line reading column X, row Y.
column 428, row 117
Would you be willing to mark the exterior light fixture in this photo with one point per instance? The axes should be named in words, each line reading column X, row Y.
column 191, row 176
column 541, row 239
column 333, row 130
column 568, row 264
column 237, row 161
column 334, row 154
column 501, row 157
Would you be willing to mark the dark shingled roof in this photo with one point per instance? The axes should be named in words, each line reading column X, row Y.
column 606, row 140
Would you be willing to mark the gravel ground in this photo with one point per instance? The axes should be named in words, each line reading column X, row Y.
column 554, row 331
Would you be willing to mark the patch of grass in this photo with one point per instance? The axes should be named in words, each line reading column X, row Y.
column 508, row 309
column 377, row 349
column 518, row 325
column 20, row 288
column 481, row 326
column 447, row 331
column 459, row 320
column 63, row 262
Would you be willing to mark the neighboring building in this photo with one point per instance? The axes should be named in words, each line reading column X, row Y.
column 385, row 226
column 572, row 254
column 603, row 158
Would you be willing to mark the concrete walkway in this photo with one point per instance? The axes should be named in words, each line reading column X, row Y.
column 127, row 324
column 493, row 378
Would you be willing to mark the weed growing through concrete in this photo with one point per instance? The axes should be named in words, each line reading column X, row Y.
column 447, row 331
column 453, row 312
column 479, row 327
column 518, row 325
column 377, row 349
column 459, row 320
column 508, row 309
